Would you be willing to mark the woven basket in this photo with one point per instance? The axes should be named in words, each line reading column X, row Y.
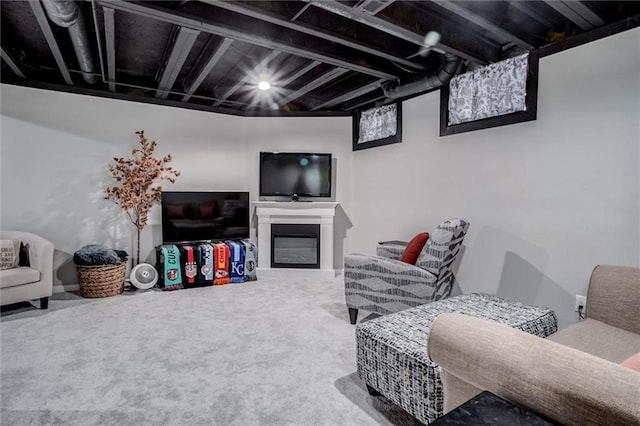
column 101, row 280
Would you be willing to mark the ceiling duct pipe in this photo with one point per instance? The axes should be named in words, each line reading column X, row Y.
column 67, row 14
column 440, row 77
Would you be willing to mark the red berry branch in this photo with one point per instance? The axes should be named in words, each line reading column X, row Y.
column 139, row 178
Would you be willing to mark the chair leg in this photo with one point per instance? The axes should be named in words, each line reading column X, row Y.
column 353, row 315
column 372, row 391
column 44, row 303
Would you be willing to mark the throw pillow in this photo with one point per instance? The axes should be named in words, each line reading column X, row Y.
column 206, row 211
column 9, row 254
column 633, row 362
column 413, row 249
column 174, row 211
column 24, row 255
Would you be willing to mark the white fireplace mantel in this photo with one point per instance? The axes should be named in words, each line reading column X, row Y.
column 296, row 212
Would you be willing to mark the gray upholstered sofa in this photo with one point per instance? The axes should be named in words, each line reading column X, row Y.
column 571, row 377
column 33, row 282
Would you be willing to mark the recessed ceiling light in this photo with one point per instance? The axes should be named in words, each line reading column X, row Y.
column 264, row 85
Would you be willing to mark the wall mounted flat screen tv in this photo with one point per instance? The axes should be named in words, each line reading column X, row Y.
column 204, row 216
column 294, row 174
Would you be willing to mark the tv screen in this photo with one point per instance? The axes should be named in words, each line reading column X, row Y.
column 295, row 174
column 204, row 216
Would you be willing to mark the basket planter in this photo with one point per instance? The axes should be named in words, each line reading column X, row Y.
column 101, row 280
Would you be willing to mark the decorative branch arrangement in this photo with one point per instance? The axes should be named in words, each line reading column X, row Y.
column 138, row 180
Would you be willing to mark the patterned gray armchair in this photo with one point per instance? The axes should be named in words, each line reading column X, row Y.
column 383, row 284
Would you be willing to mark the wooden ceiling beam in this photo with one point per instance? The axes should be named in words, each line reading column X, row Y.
column 271, row 41
column 43, row 22
column 312, row 85
column 208, row 59
column 177, row 51
column 352, row 94
column 478, row 51
column 374, row 6
column 12, row 64
column 483, row 23
column 576, row 12
column 263, row 15
column 110, row 43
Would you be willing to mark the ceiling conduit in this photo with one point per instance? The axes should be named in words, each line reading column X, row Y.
column 67, row 14
column 440, row 77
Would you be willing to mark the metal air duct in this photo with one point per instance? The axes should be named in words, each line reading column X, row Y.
column 440, row 77
column 67, row 14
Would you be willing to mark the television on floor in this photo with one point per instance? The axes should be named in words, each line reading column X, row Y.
column 295, row 174
column 190, row 216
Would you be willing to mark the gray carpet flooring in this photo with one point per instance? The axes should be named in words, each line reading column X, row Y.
column 270, row 352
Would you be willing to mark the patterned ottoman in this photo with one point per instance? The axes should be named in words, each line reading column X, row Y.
column 392, row 349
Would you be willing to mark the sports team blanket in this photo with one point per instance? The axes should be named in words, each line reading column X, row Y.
column 197, row 254
column 171, row 267
column 236, row 261
column 221, row 264
column 189, row 265
column 206, row 264
column 250, row 260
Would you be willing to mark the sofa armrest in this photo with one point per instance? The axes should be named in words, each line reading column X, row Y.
column 614, row 296
column 390, row 250
column 41, row 256
column 562, row 383
column 386, row 267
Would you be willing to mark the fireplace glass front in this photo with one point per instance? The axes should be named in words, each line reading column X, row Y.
column 295, row 246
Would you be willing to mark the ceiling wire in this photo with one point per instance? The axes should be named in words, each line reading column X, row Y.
column 137, row 86
column 403, row 68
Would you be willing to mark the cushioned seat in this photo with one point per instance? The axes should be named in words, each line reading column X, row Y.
column 23, row 284
column 18, row 276
column 600, row 339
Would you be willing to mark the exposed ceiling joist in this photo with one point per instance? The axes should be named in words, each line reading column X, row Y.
column 360, row 91
column 271, row 41
column 577, row 13
column 302, row 71
column 333, row 56
column 400, row 32
column 258, row 13
column 483, row 23
column 12, row 64
column 300, row 12
column 180, row 47
column 584, row 11
column 43, row 22
column 207, row 60
column 312, row 85
column 374, row 6
column 110, row 43
column 360, row 104
column 531, row 11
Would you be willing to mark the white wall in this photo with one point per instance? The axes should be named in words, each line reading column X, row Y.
column 55, row 148
column 547, row 200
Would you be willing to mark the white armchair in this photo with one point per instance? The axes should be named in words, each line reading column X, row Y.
column 28, row 282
